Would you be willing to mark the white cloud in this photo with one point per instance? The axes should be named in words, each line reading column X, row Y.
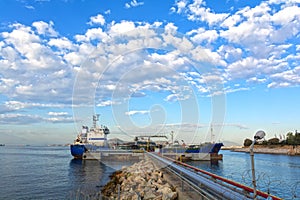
column 107, row 103
column 57, row 113
column 243, row 68
column 257, row 80
column 22, row 119
column 24, row 90
column 15, row 105
column 127, row 5
column 32, row 52
column 61, row 43
column 99, row 19
column 286, row 78
column 181, row 5
column 171, row 28
column 133, row 3
column 44, row 28
column 122, row 27
column 287, row 2
column 172, row 9
column 134, row 112
column 74, row 58
column 92, row 34
column 252, row 50
column 279, row 85
column 197, row 11
column 19, row 119
column 230, row 53
column 201, row 35
column 59, row 120
column 231, row 21
column 30, row 7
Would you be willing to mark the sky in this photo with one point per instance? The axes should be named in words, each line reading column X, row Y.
column 206, row 70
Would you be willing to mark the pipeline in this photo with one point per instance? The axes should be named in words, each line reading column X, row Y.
column 230, row 193
column 215, row 188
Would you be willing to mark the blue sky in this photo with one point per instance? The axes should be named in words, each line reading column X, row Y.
column 148, row 67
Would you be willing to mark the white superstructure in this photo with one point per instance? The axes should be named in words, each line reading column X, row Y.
column 97, row 135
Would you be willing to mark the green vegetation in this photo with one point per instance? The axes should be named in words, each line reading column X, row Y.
column 290, row 139
column 247, row 142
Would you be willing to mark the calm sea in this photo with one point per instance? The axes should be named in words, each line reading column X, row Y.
column 31, row 172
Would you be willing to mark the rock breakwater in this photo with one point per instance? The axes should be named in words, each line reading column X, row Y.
column 142, row 180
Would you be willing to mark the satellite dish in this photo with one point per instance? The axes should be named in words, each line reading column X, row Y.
column 259, row 135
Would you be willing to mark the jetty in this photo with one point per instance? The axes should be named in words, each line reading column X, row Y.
column 160, row 177
column 114, row 155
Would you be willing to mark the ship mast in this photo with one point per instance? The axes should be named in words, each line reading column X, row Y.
column 95, row 119
column 212, row 136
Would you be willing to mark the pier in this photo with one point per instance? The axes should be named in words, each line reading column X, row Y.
column 205, row 184
column 193, row 183
column 116, row 155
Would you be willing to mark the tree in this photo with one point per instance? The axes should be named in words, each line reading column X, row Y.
column 247, row 142
column 290, row 138
column 273, row 141
column 297, row 138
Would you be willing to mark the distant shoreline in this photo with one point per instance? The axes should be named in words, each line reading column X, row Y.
column 272, row 149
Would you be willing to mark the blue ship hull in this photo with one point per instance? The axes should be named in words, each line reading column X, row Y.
column 77, row 150
column 212, row 148
column 209, row 148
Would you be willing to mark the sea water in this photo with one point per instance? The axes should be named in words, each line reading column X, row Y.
column 42, row 172
column 35, row 172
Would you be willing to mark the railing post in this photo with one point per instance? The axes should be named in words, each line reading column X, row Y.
column 119, row 191
column 182, row 182
column 253, row 169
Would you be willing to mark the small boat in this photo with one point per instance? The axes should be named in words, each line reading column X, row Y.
column 90, row 140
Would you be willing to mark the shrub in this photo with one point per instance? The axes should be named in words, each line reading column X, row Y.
column 247, row 142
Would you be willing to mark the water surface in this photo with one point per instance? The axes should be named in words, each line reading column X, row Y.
column 51, row 173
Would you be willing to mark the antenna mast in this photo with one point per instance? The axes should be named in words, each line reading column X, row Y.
column 95, row 119
column 211, row 134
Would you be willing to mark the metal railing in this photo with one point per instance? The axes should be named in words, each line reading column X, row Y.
column 209, row 185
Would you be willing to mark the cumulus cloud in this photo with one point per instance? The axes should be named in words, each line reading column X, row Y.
column 44, row 28
column 98, row 19
column 252, row 45
column 197, row 11
column 201, row 35
column 255, row 40
column 61, row 43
